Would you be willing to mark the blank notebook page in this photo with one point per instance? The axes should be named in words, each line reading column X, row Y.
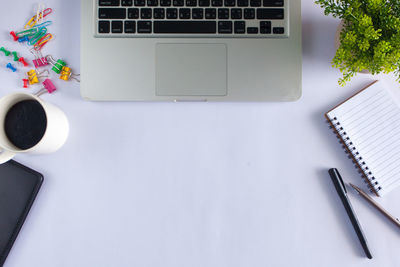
column 369, row 124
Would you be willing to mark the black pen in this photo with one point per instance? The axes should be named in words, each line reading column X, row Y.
column 341, row 190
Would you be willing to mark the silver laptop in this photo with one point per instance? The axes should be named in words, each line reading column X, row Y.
column 191, row 50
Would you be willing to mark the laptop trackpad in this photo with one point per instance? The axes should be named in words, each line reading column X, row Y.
column 191, row 69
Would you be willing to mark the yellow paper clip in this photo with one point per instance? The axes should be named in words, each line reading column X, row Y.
column 32, row 22
column 33, row 76
column 67, row 74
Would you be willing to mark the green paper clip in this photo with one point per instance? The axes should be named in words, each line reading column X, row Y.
column 29, row 32
column 41, row 32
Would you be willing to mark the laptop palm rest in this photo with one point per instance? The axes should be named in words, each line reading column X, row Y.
column 191, row 69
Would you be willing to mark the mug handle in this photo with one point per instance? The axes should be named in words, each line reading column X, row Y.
column 5, row 155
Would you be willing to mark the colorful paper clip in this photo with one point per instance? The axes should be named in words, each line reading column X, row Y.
column 22, row 60
column 35, row 38
column 15, row 54
column 43, row 41
column 5, row 51
column 26, row 83
column 44, row 24
column 34, row 76
column 28, row 32
column 39, row 13
column 67, row 74
column 48, row 88
column 11, row 67
column 33, row 21
column 23, row 39
column 12, row 33
column 40, row 60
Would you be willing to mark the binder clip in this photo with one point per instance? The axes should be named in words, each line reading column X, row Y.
column 22, row 60
column 57, row 65
column 15, row 54
column 26, row 83
column 40, row 60
column 5, row 51
column 67, row 74
column 12, row 33
column 11, row 67
column 48, row 87
column 34, row 76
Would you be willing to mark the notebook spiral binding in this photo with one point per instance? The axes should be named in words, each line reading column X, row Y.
column 351, row 150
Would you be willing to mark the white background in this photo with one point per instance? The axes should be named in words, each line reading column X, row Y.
column 195, row 184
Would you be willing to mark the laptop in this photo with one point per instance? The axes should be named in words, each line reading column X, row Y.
column 191, row 50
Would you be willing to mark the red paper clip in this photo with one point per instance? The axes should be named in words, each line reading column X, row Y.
column 12, row 33
column 22, row 60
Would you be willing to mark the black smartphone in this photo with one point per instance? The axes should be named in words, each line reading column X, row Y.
column 19, row 187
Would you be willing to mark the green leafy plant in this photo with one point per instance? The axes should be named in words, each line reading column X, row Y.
column 370, row 37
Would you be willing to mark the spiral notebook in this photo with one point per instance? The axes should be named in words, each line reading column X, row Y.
column 368, row 126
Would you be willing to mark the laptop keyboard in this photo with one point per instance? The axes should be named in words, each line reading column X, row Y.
column 186, row 18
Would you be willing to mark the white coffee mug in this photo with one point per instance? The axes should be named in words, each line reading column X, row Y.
column 55, row 135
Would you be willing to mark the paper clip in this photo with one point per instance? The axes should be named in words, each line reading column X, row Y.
column 48, row 88
column 44, row 24
column 28, row 32
column 5, row 51
column 34, row 76
column 26, row 83
column 12, row 33
column 40, row 60
column 22, row 60
column 39, row 13
column 41, row 32
column 15, row 54
column 43, row 41
column 67, row 74
column 32, row 22
column 57, row 65
column 11, row 67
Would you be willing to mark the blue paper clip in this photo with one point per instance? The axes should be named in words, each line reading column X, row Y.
column 11, row 67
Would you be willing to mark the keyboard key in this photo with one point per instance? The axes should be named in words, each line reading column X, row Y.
column 249, row 13
column 177, row 2
column 279, row 30
column 255, row 3
column 112, row 13
column 191, row 2
column 172, row 13
column 224, row 26
column 127, row 2
column 243, row 2
column 216, row 2
column 144, row 27
column 140, row 2
column 165, row 2
column 223, row 13
column 130, row 26
column 265, row 27
column 145, row 13
column 152, row 2
column 116, row 26
column 184, row 13
column 270, row 13
column 159, row 13
column 240, row 27
column 211, row 13
column 252, row 30
column 273, row 3
column 204, row 2
column 133, row 13
column 197, row 13
column 180, row 26
column 108, row 2
column 104, row 27
column 229, row 2
column 236, row 13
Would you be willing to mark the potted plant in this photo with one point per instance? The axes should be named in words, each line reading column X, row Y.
column 369, row 36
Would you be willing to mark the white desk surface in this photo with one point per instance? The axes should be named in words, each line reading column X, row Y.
column 195, row 184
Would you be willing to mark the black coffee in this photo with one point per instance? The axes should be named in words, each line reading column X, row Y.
column 25, row 124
